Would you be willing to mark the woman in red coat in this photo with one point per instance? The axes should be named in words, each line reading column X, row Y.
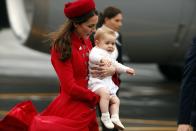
column 74, row 107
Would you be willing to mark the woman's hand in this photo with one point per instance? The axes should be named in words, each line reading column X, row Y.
column 184, row 127
column 102, row 70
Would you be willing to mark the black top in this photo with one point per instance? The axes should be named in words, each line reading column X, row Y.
column 188, row 93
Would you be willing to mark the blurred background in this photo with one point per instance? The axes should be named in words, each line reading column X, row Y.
column 156, row 35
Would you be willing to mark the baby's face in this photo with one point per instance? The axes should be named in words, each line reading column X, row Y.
column 107, row 43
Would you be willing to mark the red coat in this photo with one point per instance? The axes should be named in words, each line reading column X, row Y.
column 75, row 105
column 74, row 108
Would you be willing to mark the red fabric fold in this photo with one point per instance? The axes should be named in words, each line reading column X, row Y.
column 19, row 118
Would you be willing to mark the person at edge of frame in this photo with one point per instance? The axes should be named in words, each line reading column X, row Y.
column 187, row 109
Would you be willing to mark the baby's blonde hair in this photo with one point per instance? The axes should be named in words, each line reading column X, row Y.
column 100, row 33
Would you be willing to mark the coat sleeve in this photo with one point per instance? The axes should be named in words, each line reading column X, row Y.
column 68, row 84
column 188, row 95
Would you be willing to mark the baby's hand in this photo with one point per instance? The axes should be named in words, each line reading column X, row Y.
column 106, row 62
column 130, row 71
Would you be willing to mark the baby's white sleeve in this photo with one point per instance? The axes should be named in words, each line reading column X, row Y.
column 120, row 68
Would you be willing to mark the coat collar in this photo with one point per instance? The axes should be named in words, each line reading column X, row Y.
column 77, row 41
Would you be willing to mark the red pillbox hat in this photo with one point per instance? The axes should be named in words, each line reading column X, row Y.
column 78, row 8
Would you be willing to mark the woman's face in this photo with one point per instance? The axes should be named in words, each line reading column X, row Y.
column 114, row 23
column 86, row 28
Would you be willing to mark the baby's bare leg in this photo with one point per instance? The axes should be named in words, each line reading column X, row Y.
column 104, row 107
column 114, row 105
column 114, row 110
column 104, row 99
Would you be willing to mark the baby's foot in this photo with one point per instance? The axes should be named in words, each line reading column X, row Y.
column 105, row 118
column 117, row 123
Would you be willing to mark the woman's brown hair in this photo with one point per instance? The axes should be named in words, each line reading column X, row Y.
column 61, row 39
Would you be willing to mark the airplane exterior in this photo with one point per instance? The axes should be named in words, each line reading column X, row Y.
column 154, row 31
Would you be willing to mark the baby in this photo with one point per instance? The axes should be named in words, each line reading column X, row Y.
column 105, row 51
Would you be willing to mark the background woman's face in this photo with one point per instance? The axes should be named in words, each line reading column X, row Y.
column 86, row 28
column 114, row 23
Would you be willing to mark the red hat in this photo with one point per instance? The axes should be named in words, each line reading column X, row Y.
column 78, row 8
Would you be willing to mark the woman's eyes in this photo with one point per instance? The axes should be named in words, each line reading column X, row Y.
column 92, row 26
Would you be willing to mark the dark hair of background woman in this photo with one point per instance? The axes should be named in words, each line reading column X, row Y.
column 109, row 13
